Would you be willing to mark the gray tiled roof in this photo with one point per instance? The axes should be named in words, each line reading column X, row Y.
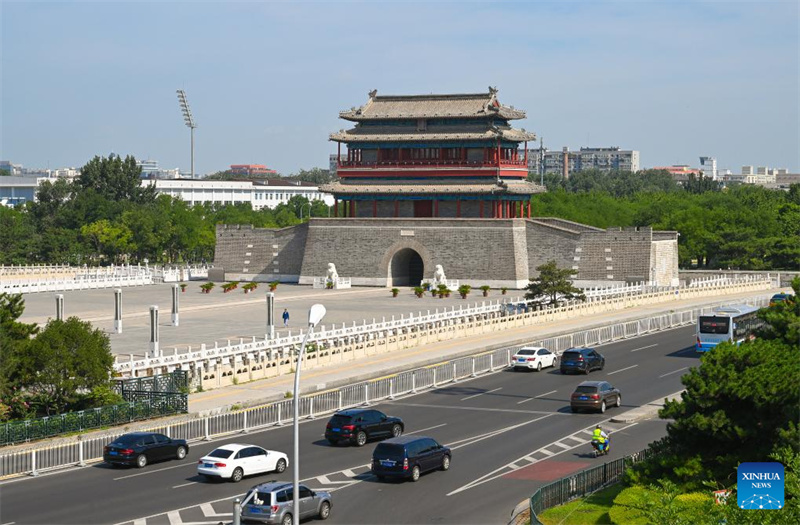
column 511, row 188
column 403, row 133
column 428, row 106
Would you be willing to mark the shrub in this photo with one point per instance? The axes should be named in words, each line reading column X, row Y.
column 395, row 291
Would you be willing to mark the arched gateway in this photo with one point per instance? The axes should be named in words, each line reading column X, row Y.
column 406, row 268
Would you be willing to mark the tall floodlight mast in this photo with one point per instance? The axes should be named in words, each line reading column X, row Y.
column 187, row 117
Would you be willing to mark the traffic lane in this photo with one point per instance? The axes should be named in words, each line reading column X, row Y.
column 428, row 500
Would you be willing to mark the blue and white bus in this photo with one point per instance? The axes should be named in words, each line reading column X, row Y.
column 735, row 323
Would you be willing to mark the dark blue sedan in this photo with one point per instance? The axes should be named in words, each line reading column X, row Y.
column 141, row 448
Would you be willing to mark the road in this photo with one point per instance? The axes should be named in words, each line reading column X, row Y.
column 510, row 431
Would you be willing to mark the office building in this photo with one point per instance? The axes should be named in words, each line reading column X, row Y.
column 565, row 161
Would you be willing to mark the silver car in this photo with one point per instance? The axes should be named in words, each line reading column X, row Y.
column 273, row 503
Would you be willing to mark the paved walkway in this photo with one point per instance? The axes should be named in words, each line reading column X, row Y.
column 383, row 364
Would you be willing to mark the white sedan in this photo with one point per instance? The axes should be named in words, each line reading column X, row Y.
column 236, row 461
column 533, row 358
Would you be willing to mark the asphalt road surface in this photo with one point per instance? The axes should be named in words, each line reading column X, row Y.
column 510, row 433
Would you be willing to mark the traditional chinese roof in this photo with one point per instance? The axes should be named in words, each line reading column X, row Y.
column 432, row 133
column 429, row 106
column 511, row 188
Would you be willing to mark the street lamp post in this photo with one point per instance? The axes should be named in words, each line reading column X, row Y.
column 315, row 315
column 302, row 207
column 189, row 119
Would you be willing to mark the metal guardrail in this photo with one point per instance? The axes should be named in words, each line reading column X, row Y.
column 581, row 484
column 80, row 451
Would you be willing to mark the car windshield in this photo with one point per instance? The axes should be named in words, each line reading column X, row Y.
column 388, row 450
column 337, row 421
column 220, row 453
column 127, row 440
column 525, row 351
column 714, row 325
column 262, row 498
column 571, row 355
column 586, row 389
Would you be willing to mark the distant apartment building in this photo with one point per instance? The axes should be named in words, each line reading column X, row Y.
column 18, row 189
column 251, row 170
column 708, row 165
column 259, row 193
column 565, row 161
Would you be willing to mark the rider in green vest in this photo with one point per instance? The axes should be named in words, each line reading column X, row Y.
column 599, row 436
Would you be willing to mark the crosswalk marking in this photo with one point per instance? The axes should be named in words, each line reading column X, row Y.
column 562, row 445
column 209, row 511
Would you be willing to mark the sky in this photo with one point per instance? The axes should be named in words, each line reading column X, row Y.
column 675, row 79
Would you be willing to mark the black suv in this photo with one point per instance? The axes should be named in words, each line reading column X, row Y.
column 357, row 425
column 581, row 360
column 408, row 457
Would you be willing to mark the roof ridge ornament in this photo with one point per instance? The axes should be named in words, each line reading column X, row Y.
column 493, row 91
column 373, row 93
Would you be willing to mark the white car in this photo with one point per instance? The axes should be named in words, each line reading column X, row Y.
column 237, row 460
column 533, row 358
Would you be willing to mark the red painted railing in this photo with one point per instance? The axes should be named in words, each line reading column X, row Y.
column 432, row 163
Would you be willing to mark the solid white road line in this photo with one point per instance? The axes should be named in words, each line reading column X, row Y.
column 209, row 511
column 622, row 370
column 674, row 372
column 154, row 471
column 644, row 347
column 426, row 429
column 482, row 393
column 185, row 484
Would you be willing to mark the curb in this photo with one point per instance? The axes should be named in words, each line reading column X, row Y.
column 521, row 513
column 647, row 411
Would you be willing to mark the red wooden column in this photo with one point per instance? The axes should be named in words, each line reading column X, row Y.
column 396, row 208
column 374, row 208
column 480, row 209
column 508, row 210
column 458, row 208
column 529, row 209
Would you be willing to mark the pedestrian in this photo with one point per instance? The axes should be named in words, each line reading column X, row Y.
column 285, row 317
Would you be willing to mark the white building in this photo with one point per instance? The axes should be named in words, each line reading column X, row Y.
column 602, row 159
column 260, row 194
column 708, row 165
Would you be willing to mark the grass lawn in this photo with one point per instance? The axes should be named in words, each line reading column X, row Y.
column 585, row 511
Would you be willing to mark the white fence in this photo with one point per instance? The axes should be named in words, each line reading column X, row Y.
column 78, row 452
column 32, row 279
column 259, row 358
column 341, row 283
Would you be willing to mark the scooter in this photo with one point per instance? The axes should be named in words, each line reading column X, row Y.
column 601, row 449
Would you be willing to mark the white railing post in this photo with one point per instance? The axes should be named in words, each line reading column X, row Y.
column 278, row 423
column 311, row 409
column 455, row 379
column 414, row 382
column 491, row 362
column 340, row 399
column 473, row 368
column 434, row 378
column 244, row 423
column 81, row 462
column 391, row 389
column 206, row 437
column 167, row 433
column 366, row 394
column 34, row 472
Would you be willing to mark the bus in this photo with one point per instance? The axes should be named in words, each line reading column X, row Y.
column 736, row 323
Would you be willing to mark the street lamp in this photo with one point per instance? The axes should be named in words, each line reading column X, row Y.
column 315, row 315
column 187, row 117
column 302, row 207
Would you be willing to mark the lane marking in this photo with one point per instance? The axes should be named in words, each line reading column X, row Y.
column 209, row 511
column 545, row 452
column 174, row 518
column 644, row 347
column 622, row 370
column 536, row 397
column 482, row 393
column 562, row 445
column 154, row 471
column 674, row 372
column 349, row 473
column 186, row 484
column 426, row 429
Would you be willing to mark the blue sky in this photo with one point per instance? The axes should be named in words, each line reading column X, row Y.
column 266, row 80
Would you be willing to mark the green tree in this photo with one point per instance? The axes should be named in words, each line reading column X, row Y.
column 701, row 184
column 14, row 336
column 17, row 236
column 65, row 360
column 109, row 240
column 783, row 318
column 115, row 179
column 553, row 285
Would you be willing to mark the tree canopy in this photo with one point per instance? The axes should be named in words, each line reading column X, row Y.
column 553, row 285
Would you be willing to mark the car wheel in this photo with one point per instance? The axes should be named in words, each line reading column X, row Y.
column 602, row 365
column 287, row 519
column 555, row 362
column 415, row 473
column 361, row 439
column 333, row 442
column 141, row 461
column 396, row 430
column 281, row 466
column 446, row 462
column 587, row 370
column 325, row 510
column 539, row 367
column 237, row 475
column 603, row 406
column 619, row 400
column 180, row 453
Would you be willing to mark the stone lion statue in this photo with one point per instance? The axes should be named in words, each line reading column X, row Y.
column 332, row 275
column 438, row 276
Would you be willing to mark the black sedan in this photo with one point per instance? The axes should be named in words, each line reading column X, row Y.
column 358, row 425
column 141, row 448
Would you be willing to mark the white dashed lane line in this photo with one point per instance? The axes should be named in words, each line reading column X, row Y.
column 674, row 372
column 536, row 397
column 621, row 370
column 482, row 393
column 644, row 347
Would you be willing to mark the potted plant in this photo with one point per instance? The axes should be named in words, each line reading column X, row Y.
column 464, row 290
column 183, row 287
column 434, row 292
column 273, row 285
column 227, row 287
column 503, row 290
column 249, row 287
column 486, row 289
column 395, row 291
column 419, row 291
column 207, row 287
column 329, row 285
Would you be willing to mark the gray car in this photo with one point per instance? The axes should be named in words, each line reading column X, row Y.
column 595, row 395
column 273, row 503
